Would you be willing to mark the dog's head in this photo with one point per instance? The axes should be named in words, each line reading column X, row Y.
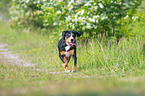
column 69, row 37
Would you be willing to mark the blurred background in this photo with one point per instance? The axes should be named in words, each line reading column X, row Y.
column 111, row 50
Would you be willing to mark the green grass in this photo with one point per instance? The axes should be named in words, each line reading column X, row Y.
column 103, row 68
column 96, row 58
column 17, row 80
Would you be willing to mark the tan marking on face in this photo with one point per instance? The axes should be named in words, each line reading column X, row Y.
column 67, row 40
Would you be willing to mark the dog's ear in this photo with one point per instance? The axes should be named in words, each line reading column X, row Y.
column 77, row 33
column 64, row 33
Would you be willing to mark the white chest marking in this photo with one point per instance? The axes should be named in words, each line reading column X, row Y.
column 67, row 54
column 67, row 48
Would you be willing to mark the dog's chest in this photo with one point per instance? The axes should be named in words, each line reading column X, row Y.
column 67, row 54
column 67, row 48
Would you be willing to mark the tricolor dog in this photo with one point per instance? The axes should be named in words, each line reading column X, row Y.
column 67, row 48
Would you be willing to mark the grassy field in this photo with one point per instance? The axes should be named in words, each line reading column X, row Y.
column 102, row 68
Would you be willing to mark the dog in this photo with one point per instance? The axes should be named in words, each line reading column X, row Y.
column 67, row 49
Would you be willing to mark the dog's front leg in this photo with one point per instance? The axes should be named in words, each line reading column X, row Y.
column 66, row 59
column 73, row 53
column 74, row 63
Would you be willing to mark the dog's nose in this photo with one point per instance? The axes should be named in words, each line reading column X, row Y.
column 72, row 40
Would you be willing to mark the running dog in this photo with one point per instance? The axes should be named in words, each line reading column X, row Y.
column 67, row 48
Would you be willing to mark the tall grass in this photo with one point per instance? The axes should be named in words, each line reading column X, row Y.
column 117, row 59
column 94, row 58
column 103, row 67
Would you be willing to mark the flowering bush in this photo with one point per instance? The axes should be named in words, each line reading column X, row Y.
column 22, row 12
column 107, row 17
column 53, row 12
column 90, row 17
column 41, row 13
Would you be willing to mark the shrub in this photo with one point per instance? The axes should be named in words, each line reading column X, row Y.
column 105, row 17
column 90, row 17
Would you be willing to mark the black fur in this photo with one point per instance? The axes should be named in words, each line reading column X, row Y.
column 62, row 44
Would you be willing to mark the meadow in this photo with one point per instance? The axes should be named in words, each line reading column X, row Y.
column 103, row 67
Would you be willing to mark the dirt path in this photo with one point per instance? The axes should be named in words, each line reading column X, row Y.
column 7, row 57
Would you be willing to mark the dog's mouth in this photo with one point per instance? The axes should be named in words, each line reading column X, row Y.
column 72, row 43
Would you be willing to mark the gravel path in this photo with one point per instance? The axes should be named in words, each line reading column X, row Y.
column 7, row 57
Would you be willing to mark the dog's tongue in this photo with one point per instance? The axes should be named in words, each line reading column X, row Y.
column 73, row 43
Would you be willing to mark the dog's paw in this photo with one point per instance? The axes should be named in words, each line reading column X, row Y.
column 63, row 65
column 73, row 71
column 67, row 71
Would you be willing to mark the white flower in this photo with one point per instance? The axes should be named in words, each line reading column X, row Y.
column 73, row 20
column 68, row 18
column 126, row 16
column 134, row 18
column 82, row 23
column 95, row 26
column 101, row 6
column 96, row 16
column 46, row 24
column 34, row 2
column 116, row 13
column 88, row 3
column 83, row 28
column 27, row 1
column 46, row 20
column 70, row 23
column 97, row 21
column 70, row 2
column 88, row 25
column 71, row 7
column 79, row 18
column 95, row 7
column 91, row 20
column 58, row 12
column 82, row 12
column 103, row 17
column 73, row 27
column 38, row 1
column 54, row 23
column 77, row 15
column 19, row 22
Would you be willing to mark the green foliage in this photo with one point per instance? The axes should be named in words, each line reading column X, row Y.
column 94, row 58
column 54, row 12
column 4, row 6
column 22, row 12
column 93, row 17
column 104, row 17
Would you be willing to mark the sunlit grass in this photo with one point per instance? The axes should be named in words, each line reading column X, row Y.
column 103, row 67
column 94, row 58
column 17, row 80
